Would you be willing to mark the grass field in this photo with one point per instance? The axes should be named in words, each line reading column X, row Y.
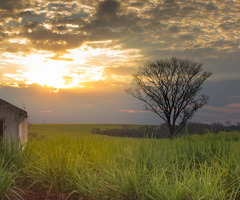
column 76, row 130
column 71, row 163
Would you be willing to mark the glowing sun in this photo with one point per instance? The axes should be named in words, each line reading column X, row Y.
column 48, row 75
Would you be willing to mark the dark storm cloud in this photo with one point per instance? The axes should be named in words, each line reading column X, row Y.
column 12, row 5
column 174, row 29
column 59, row 38
column 224, row 44
column 33, row 17
column 25, row 13
column 61, row 28
column 166, row 23
column 185, row 37
column 2, row 34
column 31, row 25
column 61, row 23
column 210, row 7
column 187, row 11
column 166, row 10
column 57, row 6
column 229, row 26
column 47, row 40
column 55, row 1
column 110, row 23
column 138, row 4
column 108, row 9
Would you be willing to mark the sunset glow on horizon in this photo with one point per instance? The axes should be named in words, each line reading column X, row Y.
column 66, row 71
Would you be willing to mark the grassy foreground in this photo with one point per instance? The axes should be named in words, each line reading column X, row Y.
column 187, row 168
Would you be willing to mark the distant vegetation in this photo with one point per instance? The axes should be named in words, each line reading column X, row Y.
column 154, row 131
column 81, row 165
column 133, row 131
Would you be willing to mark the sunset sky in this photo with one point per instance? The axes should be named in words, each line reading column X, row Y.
column 69, row 61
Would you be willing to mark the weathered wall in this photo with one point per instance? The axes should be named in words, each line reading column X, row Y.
column 13, row 117
column 23, row 129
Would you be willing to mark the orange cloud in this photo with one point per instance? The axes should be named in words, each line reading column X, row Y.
column 88, row 105
column 134, row 111
column 60, row 58
column 234, row 105
column 46, row 111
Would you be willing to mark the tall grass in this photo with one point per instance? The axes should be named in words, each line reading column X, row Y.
column 188, row 168
column 9, row 171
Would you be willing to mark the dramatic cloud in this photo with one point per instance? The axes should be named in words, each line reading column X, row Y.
column 88, row 44
column 12, row 5
column 144, row 25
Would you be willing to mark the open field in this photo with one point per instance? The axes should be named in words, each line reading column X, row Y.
column 76, row 130
column 70, row 163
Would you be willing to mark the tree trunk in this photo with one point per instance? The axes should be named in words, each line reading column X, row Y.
column 171, row 130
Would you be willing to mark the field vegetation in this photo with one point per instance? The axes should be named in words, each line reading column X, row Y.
column 68, row 162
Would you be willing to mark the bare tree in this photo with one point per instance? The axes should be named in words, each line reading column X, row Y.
column 238, row 124
column 169, row 88
column 228, row 123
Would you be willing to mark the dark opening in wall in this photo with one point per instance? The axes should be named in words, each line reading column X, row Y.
column 1, row 129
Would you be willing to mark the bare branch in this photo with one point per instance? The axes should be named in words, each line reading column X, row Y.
column 169, row 88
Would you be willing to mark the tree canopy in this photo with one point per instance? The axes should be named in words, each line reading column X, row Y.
column 169, row 88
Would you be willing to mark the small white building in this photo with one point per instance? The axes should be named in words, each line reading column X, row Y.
column 13, row 123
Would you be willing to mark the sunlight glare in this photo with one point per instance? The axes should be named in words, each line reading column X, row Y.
column 71, row 70
column 57, row 74
column 47, row 75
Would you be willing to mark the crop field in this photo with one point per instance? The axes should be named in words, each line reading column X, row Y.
column 68, row 162
column 76, row 130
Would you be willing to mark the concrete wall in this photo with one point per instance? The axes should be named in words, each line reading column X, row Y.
column 15, row 123
column 23, row 129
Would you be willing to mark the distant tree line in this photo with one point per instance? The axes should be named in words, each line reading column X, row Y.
column 200, row 128
column 161, row 131
column 142, row 131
